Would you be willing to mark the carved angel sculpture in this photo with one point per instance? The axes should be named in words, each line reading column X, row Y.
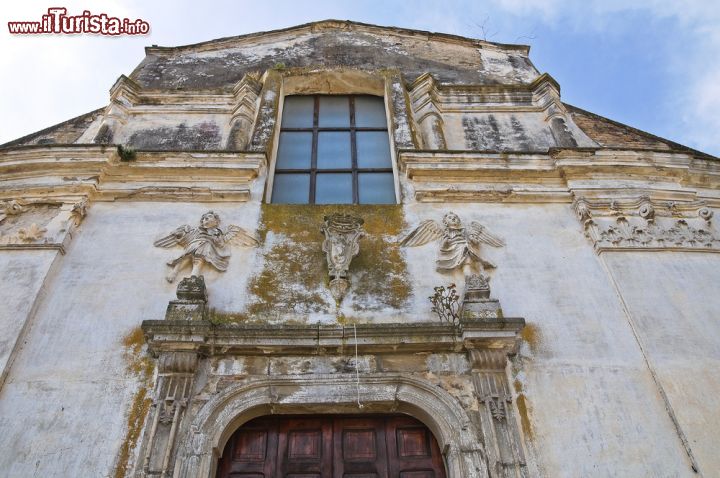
column 206, row 244
column 459, row 245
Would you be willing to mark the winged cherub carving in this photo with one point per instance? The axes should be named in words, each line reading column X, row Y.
column 206, row 244
column 459, row 245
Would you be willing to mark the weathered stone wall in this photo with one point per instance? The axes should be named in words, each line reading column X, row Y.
column 609, row 255
column 80, row 378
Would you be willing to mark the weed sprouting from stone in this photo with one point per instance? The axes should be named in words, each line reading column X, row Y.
column 446, row 304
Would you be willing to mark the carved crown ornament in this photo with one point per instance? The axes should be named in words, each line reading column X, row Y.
column 204, row 245
column 645, row 224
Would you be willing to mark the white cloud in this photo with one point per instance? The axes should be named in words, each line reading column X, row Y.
column 48, row 79
column 693, row 67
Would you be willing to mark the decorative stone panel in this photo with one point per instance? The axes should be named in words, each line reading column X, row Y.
column 642, row 224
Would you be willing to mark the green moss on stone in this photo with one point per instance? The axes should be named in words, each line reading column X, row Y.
column 294, row 274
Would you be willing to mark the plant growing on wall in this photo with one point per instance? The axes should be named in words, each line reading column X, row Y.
column 445, row 303
column 126, row 153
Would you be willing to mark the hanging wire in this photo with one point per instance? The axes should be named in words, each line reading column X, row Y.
column 357, row 371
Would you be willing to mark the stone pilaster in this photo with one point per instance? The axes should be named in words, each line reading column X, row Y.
column 173, row 389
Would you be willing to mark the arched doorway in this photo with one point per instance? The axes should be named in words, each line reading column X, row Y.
column 328, row 446
column 204, row 439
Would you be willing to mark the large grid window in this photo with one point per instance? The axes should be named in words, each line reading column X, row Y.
column 333, row 150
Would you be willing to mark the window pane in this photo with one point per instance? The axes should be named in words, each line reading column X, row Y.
column 373, row 149
column 370, row 112
column 376, row 188
column 333, row 188
column 298, row 112
column 294, row 151
column 333, row 150
column 291, row 188
column 334, row 111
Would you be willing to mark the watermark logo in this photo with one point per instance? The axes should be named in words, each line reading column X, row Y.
column 57, row 21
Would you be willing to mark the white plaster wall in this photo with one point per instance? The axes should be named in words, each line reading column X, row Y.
column 63, row 409
column 592, row 406
column 22, row 275
column 672, row 298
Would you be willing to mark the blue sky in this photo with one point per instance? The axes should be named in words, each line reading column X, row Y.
column 651, row 64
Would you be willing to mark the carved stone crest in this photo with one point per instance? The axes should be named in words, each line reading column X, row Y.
column 205, row 244
column 459, row 245
column 342, row 242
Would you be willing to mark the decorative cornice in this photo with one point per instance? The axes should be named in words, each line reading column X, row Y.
column 96, row 171
column 132, row 98
column 537, row 96
column 645, row 224
column 208, row 339
column 559, row 175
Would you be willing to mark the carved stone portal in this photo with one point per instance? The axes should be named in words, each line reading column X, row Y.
column 342, row 242
column 205, row 244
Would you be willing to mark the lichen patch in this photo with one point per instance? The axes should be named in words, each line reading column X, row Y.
column 293, row 281
column 138, row 364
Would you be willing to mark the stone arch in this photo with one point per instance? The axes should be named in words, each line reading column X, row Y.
column 207, row 434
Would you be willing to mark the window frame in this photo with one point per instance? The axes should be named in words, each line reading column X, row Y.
column 352, row 129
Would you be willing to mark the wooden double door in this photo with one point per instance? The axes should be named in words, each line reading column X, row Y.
column 394, row 446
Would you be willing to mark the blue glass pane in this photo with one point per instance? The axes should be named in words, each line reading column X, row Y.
column 373, row 149
column 298, row 112
column 376, row 188
column 294, row 151
column 334, row 111
column 370, row 112
column 291, row 189
column 333, row 188
column 333, row 150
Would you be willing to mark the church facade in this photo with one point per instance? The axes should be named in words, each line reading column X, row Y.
column 345, row 250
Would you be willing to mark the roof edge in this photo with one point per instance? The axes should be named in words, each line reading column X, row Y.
column 29, row 136
column 332, row 23
column 672, row 144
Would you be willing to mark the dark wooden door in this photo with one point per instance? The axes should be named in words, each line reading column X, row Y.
column 332, row 447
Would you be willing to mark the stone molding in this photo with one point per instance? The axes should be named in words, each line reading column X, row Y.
column 558, row 176
column 212, row 340
column 95, row 171
column 429, row 96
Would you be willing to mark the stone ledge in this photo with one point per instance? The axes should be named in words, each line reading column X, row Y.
column 205, row 338
column 48, row 171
